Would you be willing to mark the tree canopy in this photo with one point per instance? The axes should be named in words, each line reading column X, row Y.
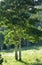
column 19, row 19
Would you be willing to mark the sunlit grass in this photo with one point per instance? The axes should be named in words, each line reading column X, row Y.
column 29, row 57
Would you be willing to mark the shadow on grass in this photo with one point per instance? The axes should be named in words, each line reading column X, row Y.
column 37, row 64
column 26, row 63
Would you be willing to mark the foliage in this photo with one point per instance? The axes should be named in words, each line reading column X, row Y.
column 16, row 18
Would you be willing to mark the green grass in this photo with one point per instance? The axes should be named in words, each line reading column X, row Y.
column 29, row 57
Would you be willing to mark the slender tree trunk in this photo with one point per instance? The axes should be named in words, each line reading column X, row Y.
column 16, row 54
column 19, row 52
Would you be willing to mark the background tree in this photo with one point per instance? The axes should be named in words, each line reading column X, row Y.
column 19, row 18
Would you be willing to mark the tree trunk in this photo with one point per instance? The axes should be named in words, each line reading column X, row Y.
column 16, row 54
column 19, row 52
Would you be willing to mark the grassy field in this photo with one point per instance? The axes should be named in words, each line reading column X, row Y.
column 30, row 56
